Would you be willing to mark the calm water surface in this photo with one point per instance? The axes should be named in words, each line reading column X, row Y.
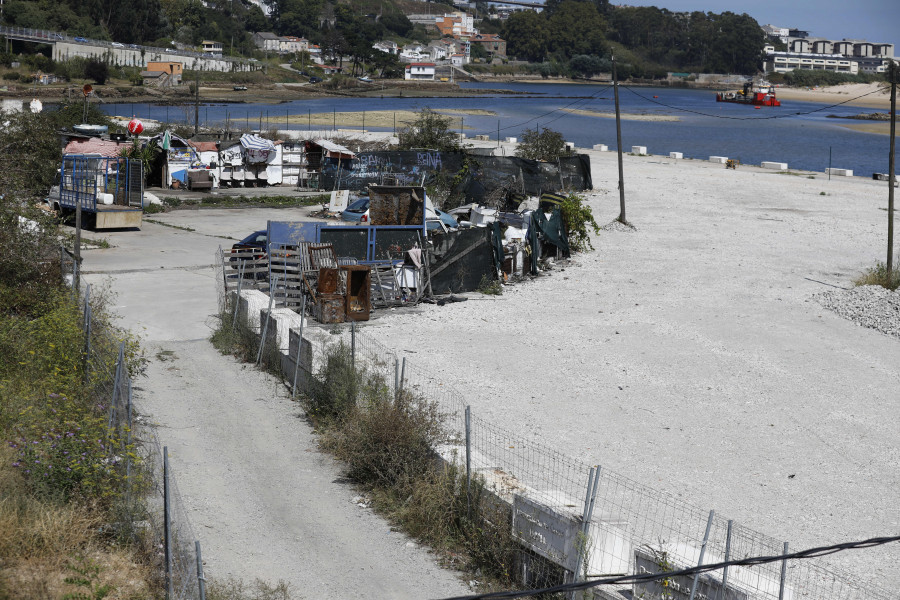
column 800, row 135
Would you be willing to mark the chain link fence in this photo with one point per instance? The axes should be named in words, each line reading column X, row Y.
column 151, row 510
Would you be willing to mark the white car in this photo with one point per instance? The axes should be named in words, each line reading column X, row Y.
column 117, row 45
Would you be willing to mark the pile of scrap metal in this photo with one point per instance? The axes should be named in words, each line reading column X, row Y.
column 526, row 231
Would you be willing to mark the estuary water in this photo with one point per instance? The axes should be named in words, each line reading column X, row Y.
column 797, row 133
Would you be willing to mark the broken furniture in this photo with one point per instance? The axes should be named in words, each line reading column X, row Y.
column 199, row 180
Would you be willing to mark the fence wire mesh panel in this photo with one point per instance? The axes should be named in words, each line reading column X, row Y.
column 633, row 528
column 133, row 452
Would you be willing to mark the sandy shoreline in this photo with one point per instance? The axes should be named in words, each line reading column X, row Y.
column 624, row 116
column 872, row 95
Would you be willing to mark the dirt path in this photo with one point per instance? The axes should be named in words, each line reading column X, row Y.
column 264, row 502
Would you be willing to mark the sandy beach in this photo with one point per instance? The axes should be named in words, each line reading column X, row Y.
column 690, row 355
column 624, row 116
column 874, row 95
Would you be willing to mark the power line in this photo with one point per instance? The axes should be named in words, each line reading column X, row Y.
column 781, row 116
column 648, row 577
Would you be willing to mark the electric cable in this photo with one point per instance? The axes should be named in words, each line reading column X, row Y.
column 781, row 116
column 648, row 577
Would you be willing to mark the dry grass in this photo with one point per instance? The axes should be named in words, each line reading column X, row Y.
column 879, row 275
column 41, row 542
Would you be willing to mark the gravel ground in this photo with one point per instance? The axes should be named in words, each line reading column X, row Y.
column 868, row 306
column 689, row 354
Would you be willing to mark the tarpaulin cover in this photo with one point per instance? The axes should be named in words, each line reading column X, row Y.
column 550, row 231
column 483, row 174
column 258, row 149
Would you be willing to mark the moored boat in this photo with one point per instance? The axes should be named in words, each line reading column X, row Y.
column 760, row 95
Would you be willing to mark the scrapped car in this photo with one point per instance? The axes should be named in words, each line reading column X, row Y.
column 258, row 240
column 357, row 211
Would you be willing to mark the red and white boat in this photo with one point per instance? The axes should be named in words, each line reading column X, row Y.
column 759, row 95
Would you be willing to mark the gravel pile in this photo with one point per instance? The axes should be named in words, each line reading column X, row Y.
column 618, row 226
column 869, row 305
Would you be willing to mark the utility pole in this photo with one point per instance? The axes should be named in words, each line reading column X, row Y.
column 890, row 248
column 197, row 101
column 621, row 218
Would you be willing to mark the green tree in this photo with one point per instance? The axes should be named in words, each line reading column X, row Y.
column 526, row 34
column 429, row 131
column 544, row 145
column 97, row 70
column 576, row 28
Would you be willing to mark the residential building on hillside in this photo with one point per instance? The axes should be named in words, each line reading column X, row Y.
column 212, row 48
column 291, row 44
column 456, row 24
column 387, row 46
column 266, row 40
column 783, row 62
column 491, row 42
column 420, row 71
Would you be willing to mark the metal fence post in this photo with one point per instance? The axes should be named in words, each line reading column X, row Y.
column 469, row 459
column 353, row 345
column 396, row 379
column 87, row 334
column 726, row 558
column 128, row 439
column 709, row 522
column 299, row 345
column 167, row 525
column 402, row 374
column 589, row 498
column 237, row 295
column 117, row 382
column 783, row 574
column 265, row 329
column 201, row 580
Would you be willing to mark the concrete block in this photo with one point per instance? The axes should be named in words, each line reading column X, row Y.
column 483, row 138
column 601, row 147
column 570, row 146
column 774, row 165
column 512, row 140
column 250, row 304
column 281, row 320
column 718, row 159
column 839, row 172
column 676, row 155
column 639, row 150
column 305, row 372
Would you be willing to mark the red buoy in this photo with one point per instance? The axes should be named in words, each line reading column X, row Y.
column 135, row 127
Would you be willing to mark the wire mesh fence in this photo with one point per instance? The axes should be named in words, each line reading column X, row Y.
column 150, row 508
column 633, row 528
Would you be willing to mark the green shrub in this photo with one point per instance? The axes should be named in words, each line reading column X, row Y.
column 578, row 218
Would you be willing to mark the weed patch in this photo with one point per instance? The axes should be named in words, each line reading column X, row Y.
column 879, row 275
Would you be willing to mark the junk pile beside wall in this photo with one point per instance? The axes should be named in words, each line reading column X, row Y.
column 344, row 272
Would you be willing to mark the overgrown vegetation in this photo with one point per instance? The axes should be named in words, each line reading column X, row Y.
column 808, row 78
column 388, row 444
column 430, row 131
column 542, row 144
column 578, row 219
column 61, row 483
column 879, row 275
column 220, row 200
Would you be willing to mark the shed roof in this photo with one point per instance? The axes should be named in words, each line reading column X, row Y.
column 107, row 148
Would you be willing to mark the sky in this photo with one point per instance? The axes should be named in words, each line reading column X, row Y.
column 877, row 21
